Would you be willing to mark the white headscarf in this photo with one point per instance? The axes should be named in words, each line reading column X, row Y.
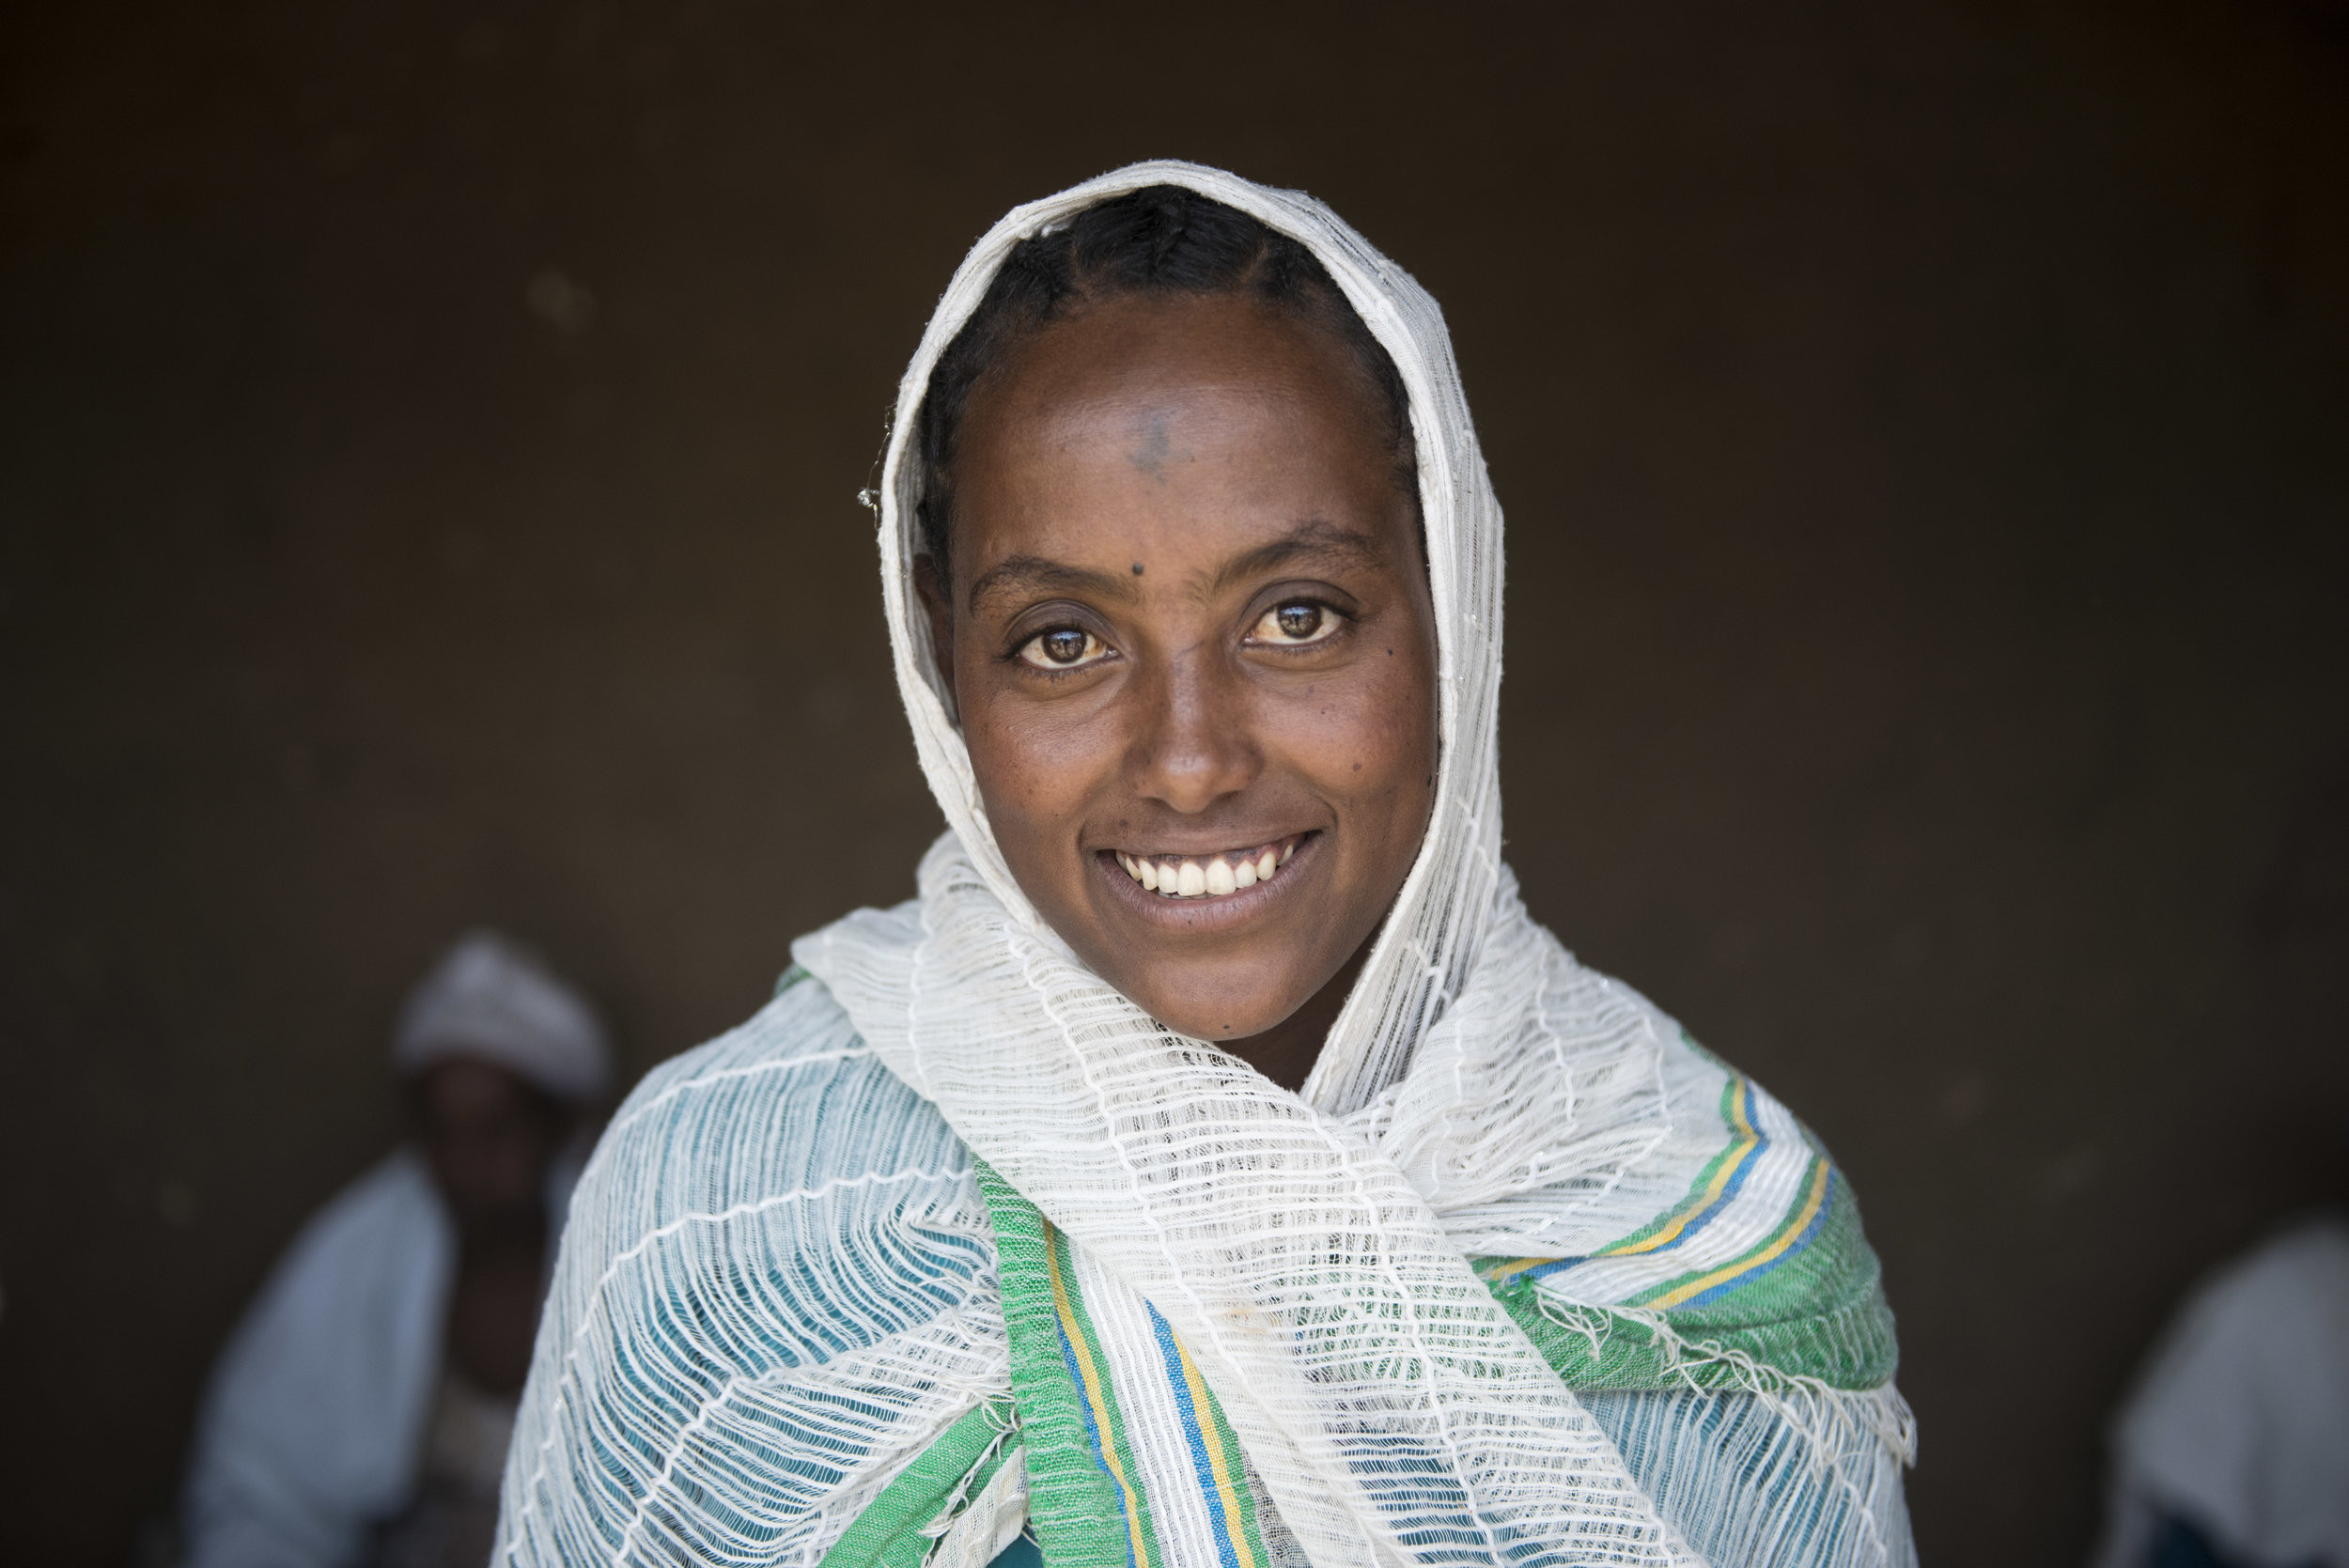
column 492, row 999
column 1446, row 907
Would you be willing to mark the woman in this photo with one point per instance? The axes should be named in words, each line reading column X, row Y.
column 1214, row 1165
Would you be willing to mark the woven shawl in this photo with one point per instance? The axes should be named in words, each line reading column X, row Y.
column 1521, row 1276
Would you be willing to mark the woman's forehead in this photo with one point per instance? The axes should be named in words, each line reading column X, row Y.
column 1206, row 496
column 1205, row 436
column 1126, row 370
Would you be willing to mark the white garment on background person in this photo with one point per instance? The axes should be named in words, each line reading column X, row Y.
column 2239, row 1424
column 315, row 1418
column 314, row 1430
column 453, row 1521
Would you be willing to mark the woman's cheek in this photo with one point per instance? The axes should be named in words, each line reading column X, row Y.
column 1358, row 732
column 1048, row 754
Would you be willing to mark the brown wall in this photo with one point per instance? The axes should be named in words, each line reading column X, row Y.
column 1922, row 433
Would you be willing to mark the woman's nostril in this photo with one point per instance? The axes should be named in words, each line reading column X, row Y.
column 1193, row 781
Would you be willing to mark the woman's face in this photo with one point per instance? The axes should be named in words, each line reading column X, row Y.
column 1191, row 642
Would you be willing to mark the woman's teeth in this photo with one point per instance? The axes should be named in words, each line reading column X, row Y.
column 1185, row 876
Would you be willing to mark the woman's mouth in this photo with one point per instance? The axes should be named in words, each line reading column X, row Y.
column 1215, row 876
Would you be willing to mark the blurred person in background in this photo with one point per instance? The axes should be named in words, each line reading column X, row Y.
column 362, row 1411
column 2233, row 1449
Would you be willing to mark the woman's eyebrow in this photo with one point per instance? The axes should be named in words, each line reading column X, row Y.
column 1029, row 573
column 1313, row 539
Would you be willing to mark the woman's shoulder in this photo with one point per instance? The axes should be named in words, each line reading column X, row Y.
column 1647, row 1181
column 801, row 1027
column 772, row 1231
column 789, row 1107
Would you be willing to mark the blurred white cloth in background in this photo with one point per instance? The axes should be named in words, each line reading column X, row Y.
column 454, row 1518
column 313, row 1434
column 2239, row 1425
column 315, row 1423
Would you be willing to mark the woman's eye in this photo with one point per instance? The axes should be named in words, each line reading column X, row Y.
column 1064, row 648
column 1296, row 624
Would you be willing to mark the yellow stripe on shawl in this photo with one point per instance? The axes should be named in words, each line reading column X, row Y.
column 1744, row 1142
column 1747, row 1140
column 1101, row 1423
column 1218, row 1464
column 1784, row 1239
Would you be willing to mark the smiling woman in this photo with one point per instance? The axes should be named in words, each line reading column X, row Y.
column 1192, row 651
column 1214, row 1165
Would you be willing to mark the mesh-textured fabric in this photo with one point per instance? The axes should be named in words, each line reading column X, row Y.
column 1394, row 1365
column 776, row 1295
column 1235, row 1326
column 786, row 1328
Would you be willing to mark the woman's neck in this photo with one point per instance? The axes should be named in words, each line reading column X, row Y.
column 1286, row 1053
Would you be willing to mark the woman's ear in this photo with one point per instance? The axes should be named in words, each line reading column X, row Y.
column 938, row 601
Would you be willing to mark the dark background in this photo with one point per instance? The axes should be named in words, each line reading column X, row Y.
column 427, row 443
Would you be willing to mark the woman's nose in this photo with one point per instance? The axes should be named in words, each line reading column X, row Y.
column 1195, row 743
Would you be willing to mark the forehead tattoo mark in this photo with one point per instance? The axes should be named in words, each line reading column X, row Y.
column 1155, row 447
column 1137, row 569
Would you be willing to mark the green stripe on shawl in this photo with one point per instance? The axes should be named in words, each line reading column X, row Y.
column 1095, row 1384
column 1251, row 1548
column 1819, row 1316
column 1075, row 1508
column 1821, row 1313
column 1816, row 1316
column 890, row 1532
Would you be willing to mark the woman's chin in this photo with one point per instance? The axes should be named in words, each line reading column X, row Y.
column 1196, row 998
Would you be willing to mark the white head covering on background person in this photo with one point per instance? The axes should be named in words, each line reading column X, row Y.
column 313, row 1427
column 492, row 999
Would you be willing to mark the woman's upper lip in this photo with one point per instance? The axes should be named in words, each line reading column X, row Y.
column 1159, row 850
